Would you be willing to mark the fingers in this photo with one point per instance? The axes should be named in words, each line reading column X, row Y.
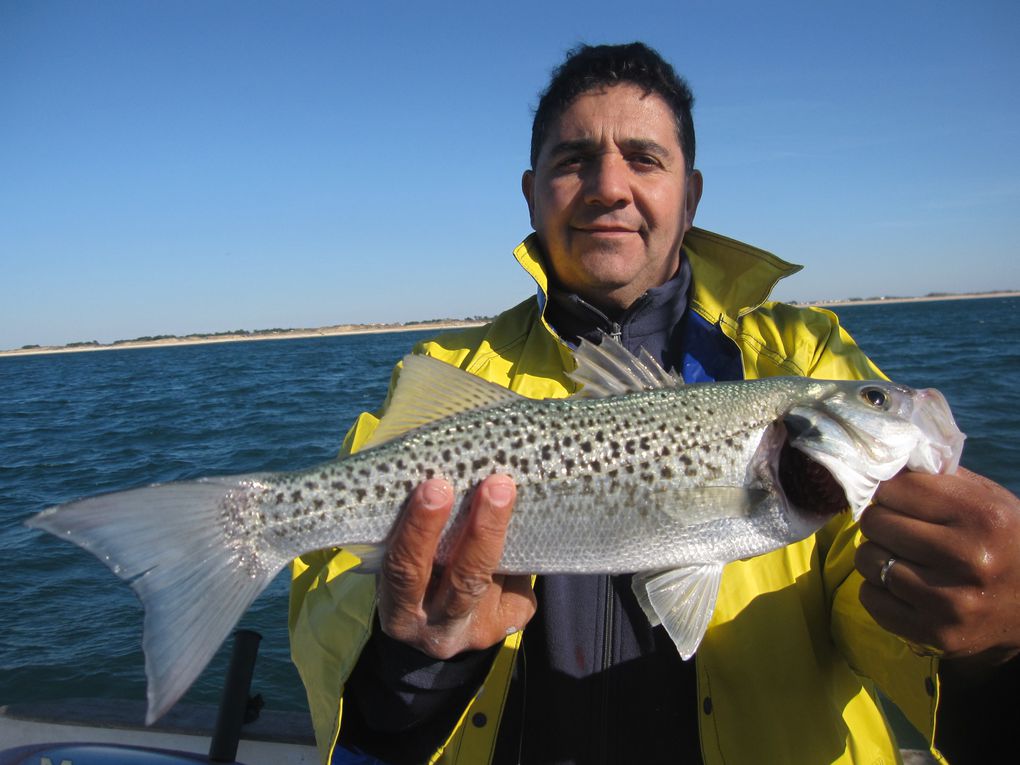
column 468, row 577
column 462, row 605
column 954, row 584
column 407, row 567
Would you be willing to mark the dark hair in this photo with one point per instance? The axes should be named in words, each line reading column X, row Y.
column 588, row 67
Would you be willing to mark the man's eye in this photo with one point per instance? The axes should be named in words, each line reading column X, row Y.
column 644, row 160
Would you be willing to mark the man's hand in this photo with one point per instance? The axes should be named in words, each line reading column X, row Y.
column 461, row 606
column 955, row 583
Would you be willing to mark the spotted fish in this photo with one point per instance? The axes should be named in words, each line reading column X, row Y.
column 636, row 473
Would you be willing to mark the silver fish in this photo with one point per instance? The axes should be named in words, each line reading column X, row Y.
column 637, row 473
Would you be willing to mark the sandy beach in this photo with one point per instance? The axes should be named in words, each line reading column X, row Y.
column 290, row 334
column 438, row 326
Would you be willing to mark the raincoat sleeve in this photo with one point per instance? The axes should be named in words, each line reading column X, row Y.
column 908, row 680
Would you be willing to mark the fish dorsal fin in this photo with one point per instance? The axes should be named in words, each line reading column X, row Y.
column 681, row 600
column 609, row 369
column 429, row 390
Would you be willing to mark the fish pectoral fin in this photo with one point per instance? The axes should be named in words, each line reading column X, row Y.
column 429, row 390
column 704, row 504
column 681, row 600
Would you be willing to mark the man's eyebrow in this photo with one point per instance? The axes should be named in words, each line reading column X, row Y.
column 577, row 144
column 589, row 145
column 646, row 145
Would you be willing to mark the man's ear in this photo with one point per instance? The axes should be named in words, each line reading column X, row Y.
column 528, row 189
column 695, row 185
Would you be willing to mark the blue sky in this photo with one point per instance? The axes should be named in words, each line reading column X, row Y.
column 176, row 167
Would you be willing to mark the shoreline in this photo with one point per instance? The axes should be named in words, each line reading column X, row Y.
column 923, row 299
column 289, row 334
column 438, row 326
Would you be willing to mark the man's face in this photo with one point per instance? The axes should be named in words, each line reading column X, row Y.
column 610, row 198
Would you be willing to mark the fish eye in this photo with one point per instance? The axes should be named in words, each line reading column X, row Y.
column 876, row 397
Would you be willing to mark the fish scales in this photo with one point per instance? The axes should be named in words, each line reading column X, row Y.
column 566, row 456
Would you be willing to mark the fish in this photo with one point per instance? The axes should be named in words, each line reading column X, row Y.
column 636, row 473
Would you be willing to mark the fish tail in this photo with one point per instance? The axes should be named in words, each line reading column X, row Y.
column 184, row 549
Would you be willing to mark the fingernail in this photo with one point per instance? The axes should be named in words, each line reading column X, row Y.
column 499, row 493
column 435, row 494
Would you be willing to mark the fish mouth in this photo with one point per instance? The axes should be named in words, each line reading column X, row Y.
column 809, row 487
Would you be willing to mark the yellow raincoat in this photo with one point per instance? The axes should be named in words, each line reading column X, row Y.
column 788, row 668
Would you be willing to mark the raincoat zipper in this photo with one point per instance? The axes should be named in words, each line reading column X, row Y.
column 607, row 662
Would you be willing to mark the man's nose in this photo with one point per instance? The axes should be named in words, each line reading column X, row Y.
column 607, row 181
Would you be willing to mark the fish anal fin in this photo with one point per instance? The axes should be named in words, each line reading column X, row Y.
column 681, row 600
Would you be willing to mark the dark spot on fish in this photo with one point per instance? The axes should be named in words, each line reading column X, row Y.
column 517, row 443
column 666, row 472
column 599, row 436
column 279, row 497
column 568, row 441
column 317, row 502
column 531, row 437
column 586, row 447
column 322, row 517
column 339, row 485
column 596, row 466
column 686, row 460
column 401, row 465
column 408, row 486
column 729, row 441
column 546, row 452
column 691, row 472
column 479, row 463
column 380, row 490
column 569, row 465
column 323, row 476
column 524, row 465
column 360, row 494
column 665, row 451
column 446, row 455
column 629, row 446
column 383, row 467
column 295, row 496
column 501, row 457
column 310, row 485
column 429, row 473
column 513, row 460
column 644, row 445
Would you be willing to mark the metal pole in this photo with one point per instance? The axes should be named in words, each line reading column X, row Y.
column 223, row 747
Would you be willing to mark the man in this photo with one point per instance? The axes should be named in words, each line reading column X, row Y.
column 801, row 639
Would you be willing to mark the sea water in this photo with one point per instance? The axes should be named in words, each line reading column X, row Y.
column 78, row 424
